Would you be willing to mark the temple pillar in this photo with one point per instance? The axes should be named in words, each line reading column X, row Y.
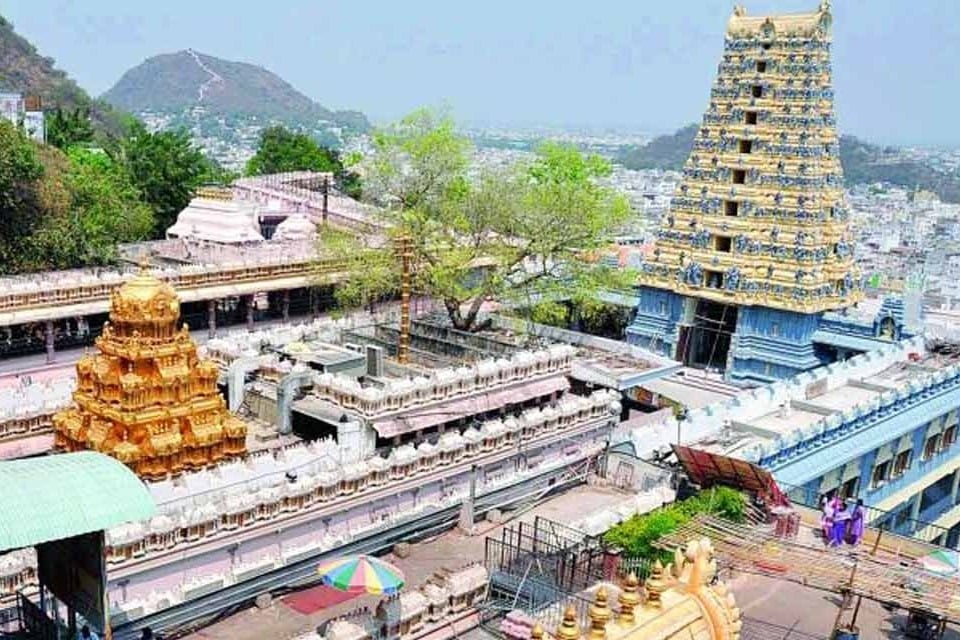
column 50, row 337
column 250, row 308
column 212, row 318
column 285, row 305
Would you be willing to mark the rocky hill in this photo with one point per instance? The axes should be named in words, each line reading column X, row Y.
column 863, row 163
column 181, row 82
column 24, row 70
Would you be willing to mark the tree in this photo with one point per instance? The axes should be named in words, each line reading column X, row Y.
column 516, row 236
column 20, row 174
column 166, row 168
column 104, row 209
column 281, row 150
column 65, row 129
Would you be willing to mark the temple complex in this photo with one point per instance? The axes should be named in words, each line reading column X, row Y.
column 757, row 244
column 146, row 398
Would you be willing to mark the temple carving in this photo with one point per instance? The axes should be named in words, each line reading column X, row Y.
column 146, row 398
column 677, row 601
column 759, row 216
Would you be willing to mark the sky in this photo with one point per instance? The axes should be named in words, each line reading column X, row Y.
column 638, row 65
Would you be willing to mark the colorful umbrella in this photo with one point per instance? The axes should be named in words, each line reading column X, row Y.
column 362, row 574
column 942, row 561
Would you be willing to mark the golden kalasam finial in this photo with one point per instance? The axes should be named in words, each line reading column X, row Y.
column 629, row 599
column 655, row 585
column 144, row 264
column 600, row 615
column 568, row 629
column 537, row 632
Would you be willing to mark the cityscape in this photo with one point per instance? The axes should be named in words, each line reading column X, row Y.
column 275, row 369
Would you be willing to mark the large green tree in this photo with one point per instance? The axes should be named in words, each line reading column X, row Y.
column 281, row 150
column 518, row 235
column 166, row 168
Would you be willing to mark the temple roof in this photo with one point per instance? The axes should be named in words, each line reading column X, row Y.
column 217, row 220
column 741, row 25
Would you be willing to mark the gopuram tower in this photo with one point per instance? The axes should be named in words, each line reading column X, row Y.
column 756, row 245
column 146, row 398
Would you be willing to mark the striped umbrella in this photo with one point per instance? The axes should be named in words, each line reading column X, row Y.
column 946, row 562
column 362, row 574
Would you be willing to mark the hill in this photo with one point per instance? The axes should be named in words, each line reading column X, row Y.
column 180, row 82
column 863, row 163
column 24, row 70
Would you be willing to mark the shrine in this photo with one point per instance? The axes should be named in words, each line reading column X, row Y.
column 757, row 246
column 146, row 398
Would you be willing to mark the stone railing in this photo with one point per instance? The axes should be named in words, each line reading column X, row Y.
column 57, row 288
column 319, row 479
column 443, row 384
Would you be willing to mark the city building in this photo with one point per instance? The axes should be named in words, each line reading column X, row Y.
column 757, row 245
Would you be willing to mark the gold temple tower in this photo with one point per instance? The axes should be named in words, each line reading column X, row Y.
column 146, row 398
column 759, row 216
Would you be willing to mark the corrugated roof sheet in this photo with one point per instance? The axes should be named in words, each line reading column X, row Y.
column 60, row 496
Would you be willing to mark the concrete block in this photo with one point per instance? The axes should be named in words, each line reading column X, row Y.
column 263, row 601
column 494, row 516
column 401, row 549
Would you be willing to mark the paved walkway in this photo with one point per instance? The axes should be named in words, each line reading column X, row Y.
column 452, row 549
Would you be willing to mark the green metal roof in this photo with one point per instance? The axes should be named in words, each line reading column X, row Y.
column 60, row 496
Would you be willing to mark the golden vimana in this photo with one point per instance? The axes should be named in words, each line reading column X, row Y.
column 146, row 398
column 759, row 217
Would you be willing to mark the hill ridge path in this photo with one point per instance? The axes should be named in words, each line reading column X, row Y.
column 214, row 76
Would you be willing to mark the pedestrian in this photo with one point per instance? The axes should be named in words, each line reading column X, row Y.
column 841, row 520
column 857, row 520
column 826, row 519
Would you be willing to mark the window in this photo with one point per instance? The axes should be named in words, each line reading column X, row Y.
column 775, row 329
column 756, row 91
column 761, row 66
column 746, row 146
column 731, row 208
column 931, row 447
column 713, row 279
column 750, row 117
column 902, row 517
column 663, row 307
column 722, row 243
column 739, row 176
column 879, row 474
column 766, row 46
column 849, row 488
column 901, row 463
column 949, row 437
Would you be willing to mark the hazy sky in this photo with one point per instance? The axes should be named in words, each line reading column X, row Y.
column 643, row 64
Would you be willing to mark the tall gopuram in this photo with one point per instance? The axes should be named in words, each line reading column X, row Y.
column 146, row 398
column 757, row 243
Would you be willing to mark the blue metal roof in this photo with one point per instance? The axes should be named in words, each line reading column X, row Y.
column 831, row 455
column 59, row 496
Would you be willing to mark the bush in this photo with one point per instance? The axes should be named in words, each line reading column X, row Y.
column 637, row 537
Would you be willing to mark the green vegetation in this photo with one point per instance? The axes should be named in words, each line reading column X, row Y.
column 68, row 128
column 638, row 535
column 282, row 150
column 663, row 152
column 512, row 235
column 61, row 210
column 166, row 168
